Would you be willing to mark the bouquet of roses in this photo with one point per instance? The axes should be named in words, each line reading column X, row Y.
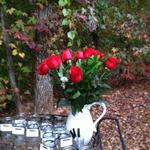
column 81, row 74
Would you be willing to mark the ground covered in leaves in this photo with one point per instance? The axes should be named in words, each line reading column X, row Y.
column 130, row 104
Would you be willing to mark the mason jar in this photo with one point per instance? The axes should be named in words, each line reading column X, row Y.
column 32, row 132
column 47, row 134
column 65, row 140
column 6, row 129
column 79, row 141
column 46, row 125
column 58, row 130
column 59, row 125
column 68, row 148
column 50, row 143
column 18, row 131
column 87, row 147
column 59, row 120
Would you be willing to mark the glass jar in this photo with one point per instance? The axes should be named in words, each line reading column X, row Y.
column 47, row 134
column 6, row 129
column 87, row 147
column 50, row 143
column 68, row 148
column 58, row 130
column 59, row 126
column 32, row 132
column 79, row 141
column 46, row 125
column 59, row 120
column 18, row 129
column 65, row 140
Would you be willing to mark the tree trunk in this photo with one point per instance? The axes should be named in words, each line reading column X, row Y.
column 43, row 86
column 11, row 71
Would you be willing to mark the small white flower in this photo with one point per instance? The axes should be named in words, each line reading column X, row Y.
column 63, row 85
column 69, row 62
column 64, row 79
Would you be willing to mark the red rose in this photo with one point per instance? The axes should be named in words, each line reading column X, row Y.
column 111, row 62
column 53, row 61
column 75, row 74
column 99, row 54
column 79, row 55
column 113, row 59
column 66, row 55
column 42, row 69
column 88, row 52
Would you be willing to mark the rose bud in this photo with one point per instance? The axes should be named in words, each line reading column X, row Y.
column 79, row 55
column 66, row 55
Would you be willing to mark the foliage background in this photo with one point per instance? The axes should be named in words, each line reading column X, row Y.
column 117, row 26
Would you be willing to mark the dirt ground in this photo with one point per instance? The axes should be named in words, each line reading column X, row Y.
column 130, row 104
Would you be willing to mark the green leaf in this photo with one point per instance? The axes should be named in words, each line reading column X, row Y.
column 10, row 11
column 32, row 20
column 69, row 44
column 25, row 69
column 79, row 42
column 19, row 24
column 65, row 22
column 71, row 34
column 9, row 97
column 68, row 90
column 76, row 95
column 106, row 86
column 66, row 12
column 63, row 2
column 60, row 73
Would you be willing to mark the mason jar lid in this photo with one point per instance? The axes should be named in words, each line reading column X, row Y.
column 68, row 148
column 47, row 134
column 8, row 118
column 32, row 124
column 50, row 143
